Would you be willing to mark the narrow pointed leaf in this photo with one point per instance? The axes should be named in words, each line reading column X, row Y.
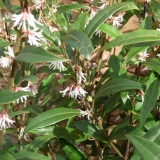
column 117, row 85
column 9, row 97
column 4, row 155
column 110, row 30
column 136, row 36
column 30, row 156
column 105, row 13
column 79, row 40
column 153, row 64
column 72, row 152
column 51, row 117
column 69, row 7
column 90, row 129
column 37, row 143
column 155, row 5
column 33, row 54
column 145, row 148
column 31, row 78
column 150, row 99
column 4, row 44
column 12, row 114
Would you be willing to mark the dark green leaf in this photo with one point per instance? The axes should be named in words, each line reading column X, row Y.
column 9, row 97
column 51, row 117
column 31, row 78
column 150, row 98
column 4, row 44
column 147, row 150
column 117, row 85
column 69, row 7
column 155, row 5
column 72, row 152
column 90, row 129
column 30, row 156
column 33, row 54
column 136, row 36
column 4, row 155
column 12, row 114
column 79, row 40
column 105, row 13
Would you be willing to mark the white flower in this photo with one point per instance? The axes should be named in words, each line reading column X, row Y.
column 57, row 65
column 25, row 16
column 7, row 61
column 117, row 118
column 142, row 95
column 38, row 3
column 77, row 91
column 117, row 22
column 13, row 37
column 5, row 121
column 158, row 55
column 87, row 113
column 147, row 1
column 53, row 29
column 81, row 76
column 158, row 29
column 23, row 98
column 143, row 55
column 21, row 131
column 32, row 88
column 34, row 37
column 104, row 4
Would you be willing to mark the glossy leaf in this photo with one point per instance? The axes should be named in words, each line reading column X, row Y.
column 9, row 97
column 153, row 64
column 67, row 133
column 69, row 7
column 145, row 148
column 30, row 156
column 105, row 13
column 51, row 117
column 33, row 54
column 72, row 152
column 79, row 40
column 110, row 30
column 155, row 5
column 136, row 36
column 150, row 98
column 117, row 85
column 31, row 78
column 90, row 129
column 37, row 143
column 4, row 155
column 12, row 114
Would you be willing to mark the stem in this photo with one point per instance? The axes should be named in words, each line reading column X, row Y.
column 98, row 150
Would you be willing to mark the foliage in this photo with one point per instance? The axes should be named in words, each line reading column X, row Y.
column 59, row 101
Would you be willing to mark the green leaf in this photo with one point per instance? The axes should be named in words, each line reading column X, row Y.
column 110, row 30
column 67, row 133
column 155, row 6
column 150, row 98
column 120, row 134
column 79, row 40
column 135, row 49
column 116, row 85
column 69, row 7
column 105, row 13
column 110, row 103
column 37, row 143
column 80, row 22
column 146, row 149
column 9, row 97
column 90, row 129
column 12, row 114
column 136, row 36
column 4, row 155
column 30, row 156
column 31, row 78
column 147, row 23
column 4, row 44
column 72, row 152
column 51, row 117
column 33, row 54
column 153, row 64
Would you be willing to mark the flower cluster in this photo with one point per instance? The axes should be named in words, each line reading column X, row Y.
column 75, row 90
column 5, row 121
column 142, row 56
